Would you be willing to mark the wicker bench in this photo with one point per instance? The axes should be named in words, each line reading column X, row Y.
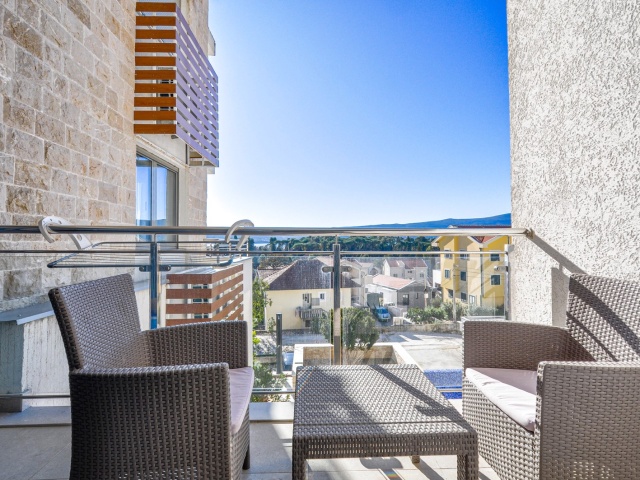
column 375, row 411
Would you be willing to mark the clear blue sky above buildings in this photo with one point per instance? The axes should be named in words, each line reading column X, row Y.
column 357, row 112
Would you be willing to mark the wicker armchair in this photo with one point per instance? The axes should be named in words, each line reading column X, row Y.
column 587, row 396
column 150, row 404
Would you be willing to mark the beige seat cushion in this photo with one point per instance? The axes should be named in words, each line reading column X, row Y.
column 512, row 391
column 240, row 386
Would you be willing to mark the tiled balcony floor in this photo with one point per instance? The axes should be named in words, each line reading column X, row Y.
column 43, row 453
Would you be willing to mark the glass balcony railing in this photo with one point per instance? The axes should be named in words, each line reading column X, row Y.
column 313, row 296
column 395, row 307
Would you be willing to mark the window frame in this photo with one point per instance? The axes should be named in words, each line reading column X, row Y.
column 493, row 259
column 499, row 281
column 155, row 161
column 463, row 275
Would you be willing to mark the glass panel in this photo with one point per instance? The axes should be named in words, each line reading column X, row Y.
column 143, row 194
column 156, row 196
column 166, row 211
column 292, row 311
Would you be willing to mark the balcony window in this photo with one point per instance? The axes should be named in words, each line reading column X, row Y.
column 463, row 276
column 448, row 255
column 472, row 299
column 495, row 279
column 463, row 296
column 495, row 257
column 447, row 274
column 156, row 195
column 464, row 256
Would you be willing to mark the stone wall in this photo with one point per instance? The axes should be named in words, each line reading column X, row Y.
column 66, row 138
column 575, row 147
column 66, row 133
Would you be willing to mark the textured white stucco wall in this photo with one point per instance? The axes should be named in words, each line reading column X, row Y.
column 574, row 80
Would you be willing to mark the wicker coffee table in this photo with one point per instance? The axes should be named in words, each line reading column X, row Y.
column 376, row 411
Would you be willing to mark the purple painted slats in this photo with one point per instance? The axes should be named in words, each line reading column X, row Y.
column 196, row 86
column 194, row 83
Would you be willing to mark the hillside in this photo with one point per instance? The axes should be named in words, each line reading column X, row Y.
column 497, row 220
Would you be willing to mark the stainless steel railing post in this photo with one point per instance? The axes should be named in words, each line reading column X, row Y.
column 153, row 284
column 337, row 327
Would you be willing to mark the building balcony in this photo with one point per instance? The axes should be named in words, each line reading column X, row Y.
column 222, row 292
column 428, row 337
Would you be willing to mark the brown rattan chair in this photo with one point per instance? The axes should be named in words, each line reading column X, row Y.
column 149, row 404
column 587, row 398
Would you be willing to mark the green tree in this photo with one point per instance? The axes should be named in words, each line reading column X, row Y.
column 426, row 315
column 461, row 310
column 361, row 332
column 264, row 377
column 260, row 301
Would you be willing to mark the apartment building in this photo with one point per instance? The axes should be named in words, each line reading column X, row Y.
column 470, row 277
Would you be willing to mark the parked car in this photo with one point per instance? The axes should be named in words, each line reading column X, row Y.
column 382, row 314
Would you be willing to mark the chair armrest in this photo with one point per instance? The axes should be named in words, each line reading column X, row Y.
column 504, row 344
column 207, row 342
column 131, row 420
column 588, row 418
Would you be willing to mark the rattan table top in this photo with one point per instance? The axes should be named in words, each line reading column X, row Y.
column 397, row 396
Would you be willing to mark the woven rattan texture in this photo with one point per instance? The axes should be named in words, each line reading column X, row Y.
column 161, row 411
column 368, row 411
column 587, row 413
column 603, row 315
column 99, row 323
column 504, row 444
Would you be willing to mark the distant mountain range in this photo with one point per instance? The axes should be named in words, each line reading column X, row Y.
column 503, row 220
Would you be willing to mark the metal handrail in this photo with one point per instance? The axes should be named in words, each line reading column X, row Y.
column 266, row 231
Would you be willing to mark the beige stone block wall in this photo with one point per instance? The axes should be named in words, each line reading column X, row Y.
column 66, row 137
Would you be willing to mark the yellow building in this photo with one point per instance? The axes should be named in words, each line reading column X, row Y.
column 302, row 291
column 469, row 277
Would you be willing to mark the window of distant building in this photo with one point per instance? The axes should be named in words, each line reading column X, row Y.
column 422, row 275
column 472, row 299
column 156, row 195
column 464, row 256
column 405, row 299
column 448, row 255
column 322, row 296
column 450, row 293
column 495, row 257
column 495, row 279
column 463, row 296
column 395, row 275
column 447, row 274
column 463, row 276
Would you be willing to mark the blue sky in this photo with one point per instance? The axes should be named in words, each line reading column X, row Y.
column 357, row 112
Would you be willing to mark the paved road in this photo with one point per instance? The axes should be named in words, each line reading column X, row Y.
column 432, row 351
